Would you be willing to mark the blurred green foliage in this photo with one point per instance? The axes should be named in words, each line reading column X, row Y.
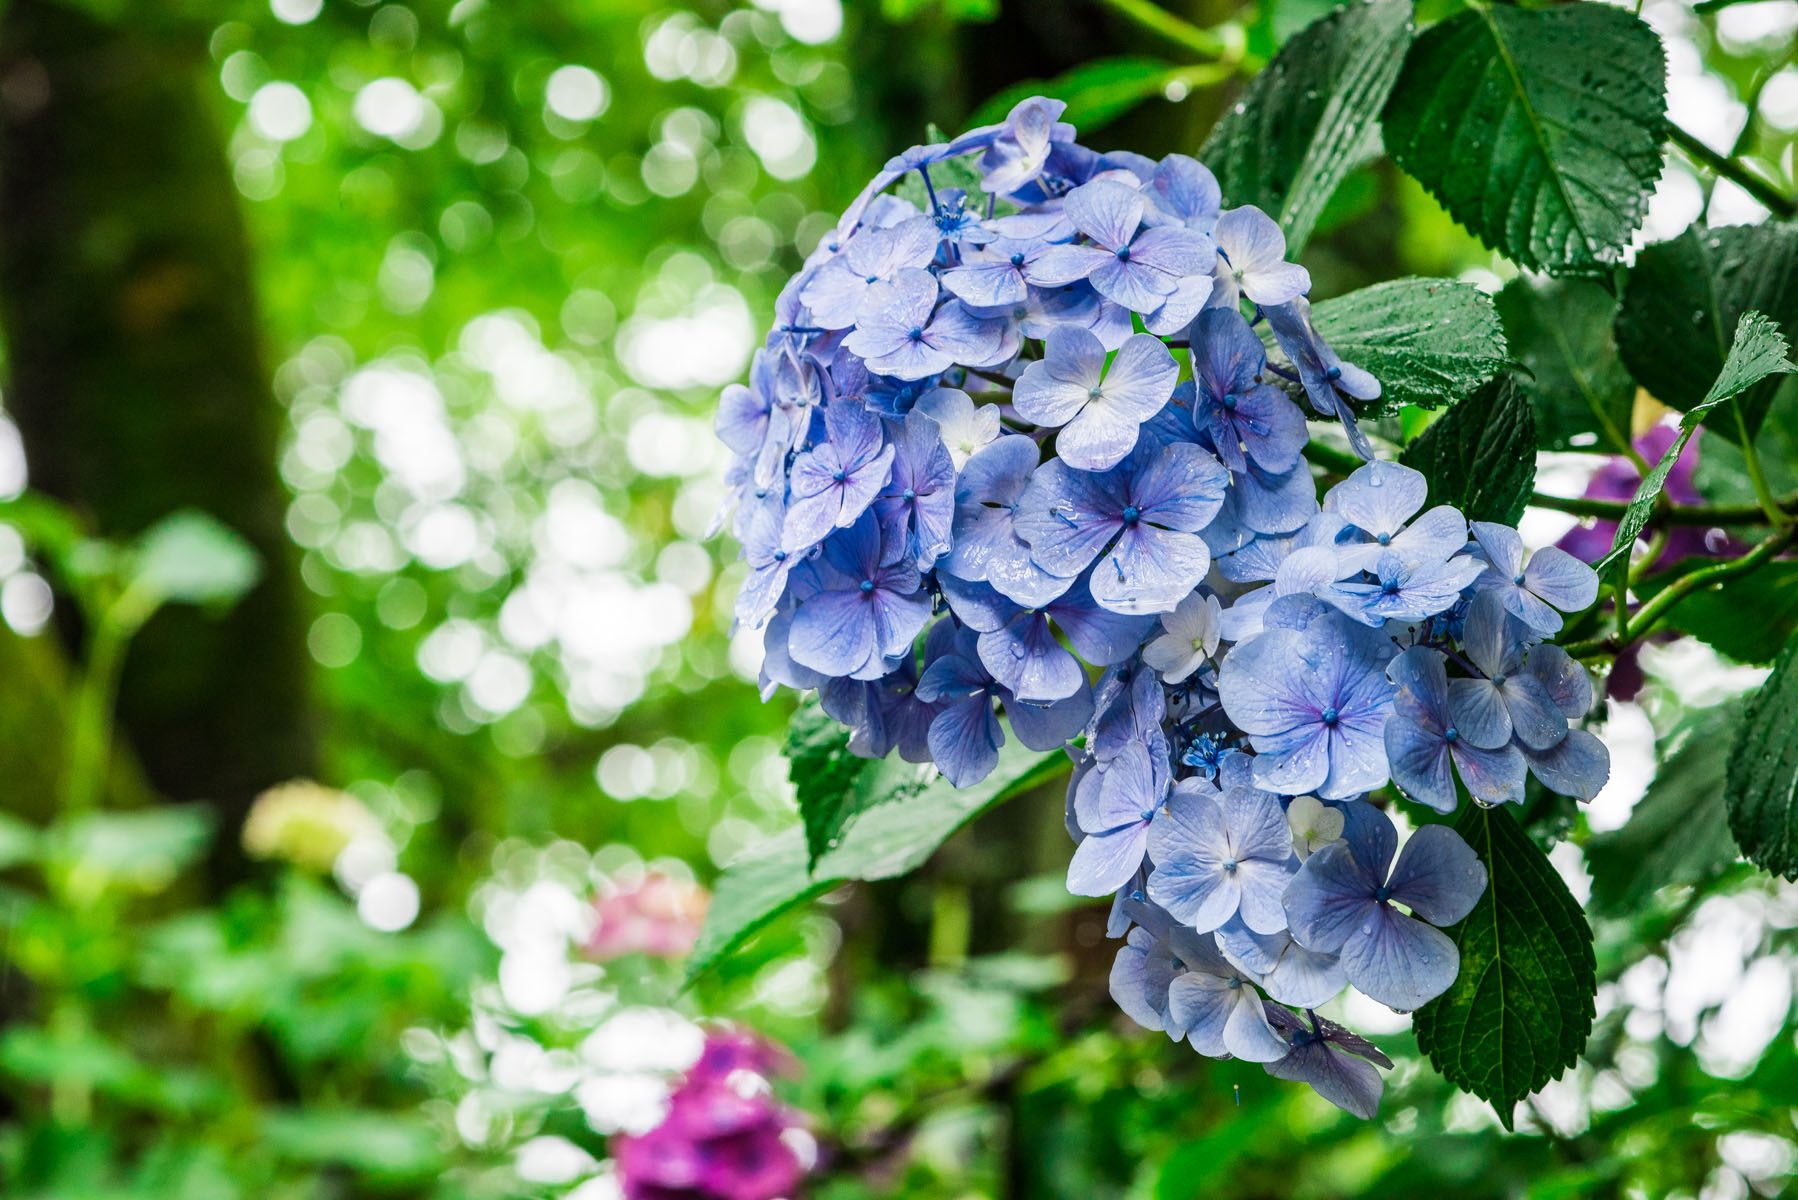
column 503, row 256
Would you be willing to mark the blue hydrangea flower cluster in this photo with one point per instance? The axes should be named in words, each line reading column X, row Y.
column 1022, row 450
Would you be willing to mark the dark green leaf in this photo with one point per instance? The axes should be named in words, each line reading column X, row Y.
column 1762, row 783
column 886, row 840
column 1481, row 455
column 1678, row 833
column 1560, row 330
column 1538, row 129
column 1519, row 1012
column 1684, row 300
column 1311, row 116
column 1096, row 93
column 1713, row 615
column 1429, row 342
column 1758, row 351
column 823, row 772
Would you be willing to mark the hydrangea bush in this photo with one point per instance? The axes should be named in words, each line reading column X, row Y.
column 1024, row 457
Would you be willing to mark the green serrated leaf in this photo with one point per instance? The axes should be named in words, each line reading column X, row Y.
column 1311, row 115
column 1481, row 456
column 1762, row 780
column 884, row 841
column 1520, row 1010
column 823, row 773
column 1430, row 342
column 1684, row 300
column 1758, row 351
column 1538, row 129
column 1560, row 331
column 1096, row 93
column 1678, row 833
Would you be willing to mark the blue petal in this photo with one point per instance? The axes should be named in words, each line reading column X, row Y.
column 1398, row 960
column 965, row 740
column 1438, row 876
column 1330, row 899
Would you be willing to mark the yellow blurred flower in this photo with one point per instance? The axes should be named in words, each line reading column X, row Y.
column 305, row 823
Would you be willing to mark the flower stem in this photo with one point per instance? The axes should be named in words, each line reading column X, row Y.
column 1775, row 200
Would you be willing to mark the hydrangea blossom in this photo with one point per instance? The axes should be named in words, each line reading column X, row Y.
column 725, row 1136
column 978, row 501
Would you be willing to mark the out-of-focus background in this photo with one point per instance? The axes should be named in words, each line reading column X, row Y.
column 359, row 361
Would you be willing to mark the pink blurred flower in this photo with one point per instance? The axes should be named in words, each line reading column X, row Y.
column 725, row 1136
column 656, row 915
column 1618, row 480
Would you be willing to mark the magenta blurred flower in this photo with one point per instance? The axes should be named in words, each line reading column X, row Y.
column 725, row 1136
column 1618, row 480
column 656, row 915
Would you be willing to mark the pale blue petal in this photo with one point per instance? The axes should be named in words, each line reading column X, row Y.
column 1398, row 960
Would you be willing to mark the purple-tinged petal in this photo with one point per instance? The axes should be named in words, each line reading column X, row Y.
column 1438, row 876
column 1105, row 862
column 1479, row 714
column 965, row 740
column 1330, row 899
column 1576, row 766
column 1561, row 579
column 1106, row 211
column 1420, row 763
column 1400, row 961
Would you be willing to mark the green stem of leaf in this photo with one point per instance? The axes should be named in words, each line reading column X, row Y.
column 1724, row 167
column 1341, row 462
column 1756, row 476
column 1159, row 21
column 1650, row 614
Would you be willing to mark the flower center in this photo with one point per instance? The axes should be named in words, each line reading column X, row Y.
column 1382, row 893
column 1017, row 260
column 909, row 495
column 1230, row 866
column 1123, row 254
column 1517, row 579
column 1234, row 983
column 1230, row 402
column 916, row 334
column 1451, row 734
column 1331, row 716
column 867, row 586
column 1132, row 514
column 1498, row 680
column 780, row 556
column 1385, row 539
column 1094, row 392
column 1390, row 587
column 873, row 279
column 839, row 475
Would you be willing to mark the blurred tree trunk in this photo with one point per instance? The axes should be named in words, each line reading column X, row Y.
column 137, row 379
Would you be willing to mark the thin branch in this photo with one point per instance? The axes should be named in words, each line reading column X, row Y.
column 1650, row 614
column 1706, row 516
column 1776, row 201
column 1159, row 21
